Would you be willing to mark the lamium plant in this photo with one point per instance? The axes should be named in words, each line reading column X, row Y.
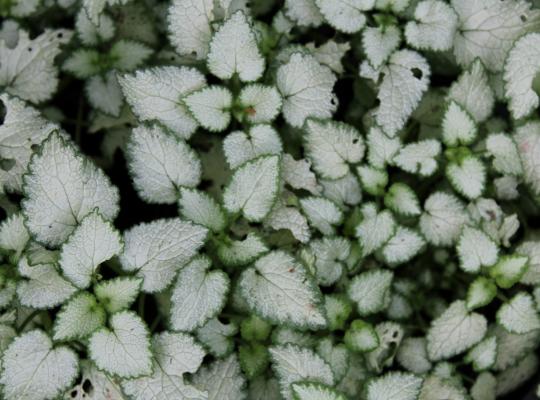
column 267, row 199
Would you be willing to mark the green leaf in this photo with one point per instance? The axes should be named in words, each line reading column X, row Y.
column 509, row 270
column 361, row 336
column 118, row 294
column 78, row 318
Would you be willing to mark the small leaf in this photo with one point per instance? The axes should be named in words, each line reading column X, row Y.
column 78, row 318
column 157, row 94
column 505, row 154
column 303, row 12
column 61, row 188
column 515, row 376
column 370, row 291
column 101, row 384
column 403, row 246
column 475, row 249
column 241, row 252
column 520, row 71
column 35, row 370
column 240, row 147
column 174, row 354
column 346, row 16
column 401, row 199
column 155, row 251
column 473, row 92
column 375, row 229
column 519, row 315
column 13, row 236
column 189, row 26
column 527, row 139
column 480, row 293
column 217, row 337
column 381, row 148
column 373, row 180
column 455, row 331
column 128, row 54
column 279, row 289
column 459, row 128
column 202, row 209
column 467, row 176
column 434, row 26
column 298, row 175
column 338, row 309
column 419, row 158
column 211, row 107
column 124, row 349
column 93, row 242
column 336, row 356
column 484, row 388
column 104, row 93
column 330, row 54
column 254, row 359
column 28, row 70
column 330, row 254
column 160, row 164
column 259, row 103
column 198, row 295
column 222, row 379
column 283, row 217
column 293, row 364
column 233, row 50
column 306, row 88
column 379, row 43
column 44, row 286
column 332, row 146
column 321, row 213
column 509, row 270
column 442, row 219
column 117, row 294
column 406, row 78
column 315, row 391
column 483, row 355
column 253, row 188
column 413, row 356
column 344, row 192
column 22, row 129
column 394, row 386
column 361, row 337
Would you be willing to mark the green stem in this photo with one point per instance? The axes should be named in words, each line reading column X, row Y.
column 79, row 121
column 142, row 299
column 155, row 323
column 46, row 319
column 27, row 320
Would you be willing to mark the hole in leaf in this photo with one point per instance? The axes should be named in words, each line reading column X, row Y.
column 417, row 73
column 87, row 386
column 523, row 18
column 7, row 164
column 3, row 111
